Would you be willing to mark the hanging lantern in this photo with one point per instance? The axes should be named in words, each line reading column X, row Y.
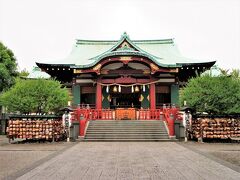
column 107, row 89
column 136, row 89
column 115, row 89
column 109, row 98
column 119, row 88
column 144, row 88
column 132, row 89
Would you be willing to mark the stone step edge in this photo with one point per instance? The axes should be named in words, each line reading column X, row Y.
column 129, row 140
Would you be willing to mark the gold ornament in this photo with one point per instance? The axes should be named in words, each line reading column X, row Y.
column 136, row 89
column 115, row 89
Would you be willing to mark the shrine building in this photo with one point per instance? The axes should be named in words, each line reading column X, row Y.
column 111, row 74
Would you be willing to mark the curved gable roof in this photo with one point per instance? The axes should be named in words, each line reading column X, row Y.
column 164, row 52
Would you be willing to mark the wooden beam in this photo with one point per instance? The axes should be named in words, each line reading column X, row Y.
column 125, row 71
column 124, row 80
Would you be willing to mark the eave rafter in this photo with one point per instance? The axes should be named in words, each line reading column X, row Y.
column 154, row 68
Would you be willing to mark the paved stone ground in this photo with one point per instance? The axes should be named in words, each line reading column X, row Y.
column 130, row 160
column 229, row 152
column 20, row 158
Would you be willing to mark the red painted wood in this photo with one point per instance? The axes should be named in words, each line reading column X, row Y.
column 148, row 114
column 167, row 114
column 171, row 127
column 99, row 96
column 124, row 80
column 128, row 71
column 125, row 113
column 127, row 80
column 137, row 59
column 82, row 127
column 152, row 96
column 142, row 60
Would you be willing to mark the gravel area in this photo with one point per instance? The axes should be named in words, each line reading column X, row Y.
column 229, row 152
column 15, row 158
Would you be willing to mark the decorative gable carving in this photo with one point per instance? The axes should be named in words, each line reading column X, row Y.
column 125, row 46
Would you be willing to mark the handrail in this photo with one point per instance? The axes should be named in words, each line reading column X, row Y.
column 109, row 114
column 166, row 114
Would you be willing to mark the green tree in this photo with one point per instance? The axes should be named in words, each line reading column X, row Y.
column 8, row 68
column 215, row 95
column 224, row 72
column 23, row 73
column 235, row 74
column 35, row 96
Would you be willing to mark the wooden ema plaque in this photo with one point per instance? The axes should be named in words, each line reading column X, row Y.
column 125, row 113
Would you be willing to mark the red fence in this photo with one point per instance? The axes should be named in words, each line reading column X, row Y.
column 148, row 114
column 166, row 114
column 95, row 114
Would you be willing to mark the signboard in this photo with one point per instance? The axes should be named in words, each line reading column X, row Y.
column 67, row 120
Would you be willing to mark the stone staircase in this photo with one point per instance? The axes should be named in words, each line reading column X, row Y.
column 126, row 130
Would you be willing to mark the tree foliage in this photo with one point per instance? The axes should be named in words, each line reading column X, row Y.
column 23, row 73
column 35, row 96
column 235, row 74
column 215, row 95
column 8, row 67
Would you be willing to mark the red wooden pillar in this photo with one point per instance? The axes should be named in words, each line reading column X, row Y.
column 82, row 126
column 171, row 127
column 99, row 96
column 152, row 97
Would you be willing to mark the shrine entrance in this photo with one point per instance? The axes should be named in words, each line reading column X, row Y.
column 125, row 101
column 126, row 98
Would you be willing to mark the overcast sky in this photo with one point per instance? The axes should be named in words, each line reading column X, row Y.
column 45, row 30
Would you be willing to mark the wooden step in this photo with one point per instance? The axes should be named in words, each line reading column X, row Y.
column 130, row 140
column 129, row 130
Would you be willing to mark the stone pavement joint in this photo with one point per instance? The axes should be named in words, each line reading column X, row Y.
column 130, row 160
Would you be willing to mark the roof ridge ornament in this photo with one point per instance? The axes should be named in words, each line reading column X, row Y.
column 125, row 35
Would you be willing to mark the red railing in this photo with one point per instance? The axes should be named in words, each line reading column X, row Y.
column 102, row 114
column 170, row 115
column 83, row 115
column 166, row 114
column 148, row 114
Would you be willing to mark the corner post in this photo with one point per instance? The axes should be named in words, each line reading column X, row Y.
column 99, row 96
column 152, row 97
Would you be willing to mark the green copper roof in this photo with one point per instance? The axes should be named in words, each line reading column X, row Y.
column 134, row 50
column 36, row 73
column 87, row 53
column 214, row 71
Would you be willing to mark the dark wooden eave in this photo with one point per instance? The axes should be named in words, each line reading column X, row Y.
column 61, row 72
